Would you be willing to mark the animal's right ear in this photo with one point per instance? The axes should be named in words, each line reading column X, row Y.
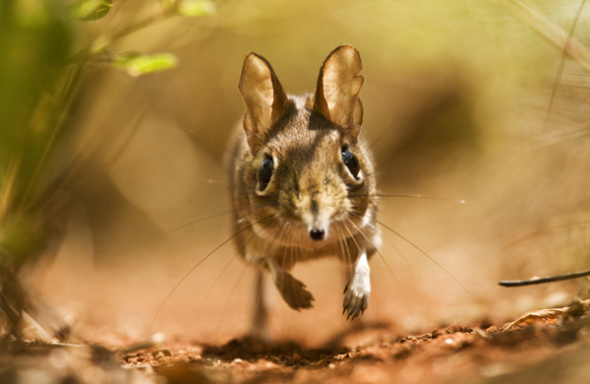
column 337, row 92
column 264, row 98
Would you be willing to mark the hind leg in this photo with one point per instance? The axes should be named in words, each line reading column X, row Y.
column 259, row 327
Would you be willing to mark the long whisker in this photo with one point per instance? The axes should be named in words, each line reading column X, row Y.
column 229, row 298
column 199, row 263
column 193, row 222
column 348, row 253
column 175, row 229
column 393, row 123
column 548, row 231
column 254, row 235
column 391, row 243
column 290, row 256
column 343, row 248
column 217, row 280
column 351, row 236
column 276, row 241
column 465, row 290
column 393, row 275
column 384, row 213
column 418, row 196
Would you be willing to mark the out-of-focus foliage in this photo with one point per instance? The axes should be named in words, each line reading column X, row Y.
column 40, row 74
column 192, row 7
column 137, row 65
column 35, row 43
column 90, row 9
column 45, row 52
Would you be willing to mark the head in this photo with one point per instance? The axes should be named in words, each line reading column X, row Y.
column 307, row 164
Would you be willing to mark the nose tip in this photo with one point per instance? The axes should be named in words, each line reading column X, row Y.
column 317, row 234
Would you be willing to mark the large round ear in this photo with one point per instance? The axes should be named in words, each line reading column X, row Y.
column 339, row 84
column 264, row 98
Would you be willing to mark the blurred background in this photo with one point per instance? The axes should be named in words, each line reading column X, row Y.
column 464, row 100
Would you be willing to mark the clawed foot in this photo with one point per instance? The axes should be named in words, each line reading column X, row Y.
column 358, row 289
column 294, row 292
column 355, row 302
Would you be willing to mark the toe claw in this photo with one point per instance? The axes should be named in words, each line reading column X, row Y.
column 355, row 302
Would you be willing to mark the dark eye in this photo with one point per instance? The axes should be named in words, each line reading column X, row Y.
column 265, row 173
column 351, row 162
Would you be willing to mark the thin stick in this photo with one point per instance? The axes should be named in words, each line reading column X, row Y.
column 542, row 280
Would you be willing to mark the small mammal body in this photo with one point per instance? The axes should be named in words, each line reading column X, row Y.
column 302, row 181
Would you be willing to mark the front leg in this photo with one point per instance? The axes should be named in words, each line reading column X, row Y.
column 358, row 289
column 293, row 291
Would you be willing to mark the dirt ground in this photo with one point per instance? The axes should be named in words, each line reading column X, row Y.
column 544, row 347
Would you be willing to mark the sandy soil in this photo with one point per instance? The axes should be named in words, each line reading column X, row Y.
column 552, row 348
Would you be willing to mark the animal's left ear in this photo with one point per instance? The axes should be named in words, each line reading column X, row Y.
column 337, row 92
column 264, row 98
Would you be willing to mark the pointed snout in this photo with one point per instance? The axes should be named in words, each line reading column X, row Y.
column 315, row 206
column 320, row 218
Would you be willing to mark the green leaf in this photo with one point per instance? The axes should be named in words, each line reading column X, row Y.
column 87, row 10
column 137, row 65
column 194, row 8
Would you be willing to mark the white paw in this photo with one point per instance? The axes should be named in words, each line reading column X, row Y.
column 358, row 289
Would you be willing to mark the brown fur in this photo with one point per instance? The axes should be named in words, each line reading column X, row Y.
column 311, row 187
